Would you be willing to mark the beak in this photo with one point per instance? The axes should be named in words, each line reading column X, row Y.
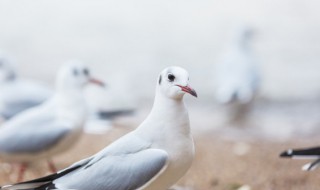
column 96, row 81
column 189, row 90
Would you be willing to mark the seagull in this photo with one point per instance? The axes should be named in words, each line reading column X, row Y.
column 18, row 94
column 100, row 122
column 236, row 75
column 306, row 153
column 52, row 127
column 154, row 156
column 107, row 105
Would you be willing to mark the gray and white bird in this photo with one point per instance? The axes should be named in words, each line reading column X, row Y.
column 18, row 94
column 52, row 127
column 154, row 156
column 236, row 74
column 106, row 105
column 305, row 153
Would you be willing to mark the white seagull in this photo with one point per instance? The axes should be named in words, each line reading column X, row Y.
column 50, row 128
column 306, row 153
column 18, row 94
column 236, row 74
column 154, row 156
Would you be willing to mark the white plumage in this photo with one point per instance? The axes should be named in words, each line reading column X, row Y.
column 51, row 128
column 154, row 156
column 18, row 94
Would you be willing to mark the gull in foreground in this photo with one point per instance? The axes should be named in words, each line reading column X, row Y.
column 307, row 153
column 18, row 94
column 50, row 128
column 154, row 156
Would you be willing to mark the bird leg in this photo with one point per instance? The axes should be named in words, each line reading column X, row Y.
column 22, row 169
column 51, row 165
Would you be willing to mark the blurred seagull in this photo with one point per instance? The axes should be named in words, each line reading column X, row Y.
column 307, row 153
column 105, row 106
column 237, row 78
column 52, row 127
column 154, row 156
column 18, row 94
column 100, row 122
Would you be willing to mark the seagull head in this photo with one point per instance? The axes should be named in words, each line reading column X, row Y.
column 243, row 34
column 7, row 72
column 173, row 82
column 75, row 75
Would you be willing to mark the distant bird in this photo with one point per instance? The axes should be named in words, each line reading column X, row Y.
column 105, row 106
column 100, row 122
column 236, row 75
column 154, row 156
column 306, row 153
column 52, row 127
column 18, row 94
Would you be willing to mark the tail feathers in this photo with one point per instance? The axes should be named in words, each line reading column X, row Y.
column 44, row 183
column 311, row 166
column 114, row 114
column 302, row 153
column 28, row 186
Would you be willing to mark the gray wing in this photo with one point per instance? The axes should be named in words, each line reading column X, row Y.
column 14, row 108
column 31, row 136
column 116, row 172
column 21, row 95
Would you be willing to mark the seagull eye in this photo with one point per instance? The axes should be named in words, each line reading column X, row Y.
column 75, row 72
column 86, row 72
column 171, row 77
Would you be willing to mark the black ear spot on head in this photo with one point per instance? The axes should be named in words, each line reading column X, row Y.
column 160, row 79
column 75, row 72
column 86, row 72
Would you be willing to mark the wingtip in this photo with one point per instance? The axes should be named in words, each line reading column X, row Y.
column 286, row 154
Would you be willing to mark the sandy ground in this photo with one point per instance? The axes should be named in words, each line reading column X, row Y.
column 220, row 163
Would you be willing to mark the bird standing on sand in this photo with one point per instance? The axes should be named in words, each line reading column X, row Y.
column 306, row 153
column 236, row 74
column 153, row 157
column 51, row 128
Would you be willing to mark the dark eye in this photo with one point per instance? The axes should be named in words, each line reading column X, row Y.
column 86, row 72
column 171, row 77
column 75, row 72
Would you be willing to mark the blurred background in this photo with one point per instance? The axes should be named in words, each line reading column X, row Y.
column 127, row 43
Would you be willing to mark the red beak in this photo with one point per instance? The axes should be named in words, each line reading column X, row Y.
column 98, row 82
column 189, row 90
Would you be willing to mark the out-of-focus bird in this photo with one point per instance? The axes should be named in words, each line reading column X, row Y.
column 154, row 156
column 52, row 127
column 18, row 94
column 106, row 105
column 306, row 153
column 236, row 74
